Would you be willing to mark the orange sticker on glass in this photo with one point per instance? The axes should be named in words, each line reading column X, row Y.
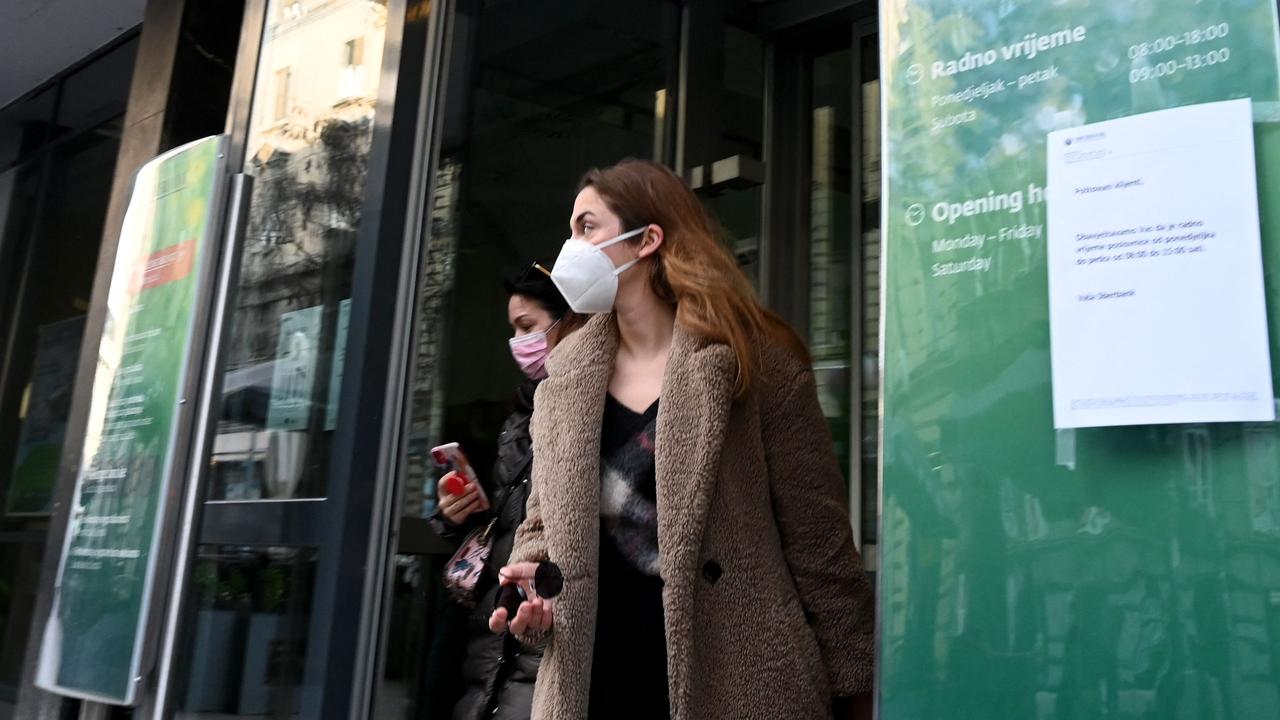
column 168, row 264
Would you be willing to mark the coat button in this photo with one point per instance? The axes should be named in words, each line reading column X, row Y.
column 711, row 571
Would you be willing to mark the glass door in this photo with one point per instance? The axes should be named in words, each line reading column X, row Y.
column 837, row 251
column 254, row 613
column 843, row 257
column 269, row 614
column 787, row 156
column 537, row 93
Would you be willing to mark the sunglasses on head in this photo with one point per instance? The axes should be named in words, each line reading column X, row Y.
column 535, row 271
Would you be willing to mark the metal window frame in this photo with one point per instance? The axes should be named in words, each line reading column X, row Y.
column 57, row 83
column 861, row 31
column 339, row 524
column 424, row 135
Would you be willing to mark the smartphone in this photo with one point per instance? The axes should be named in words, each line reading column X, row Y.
column 450, row 457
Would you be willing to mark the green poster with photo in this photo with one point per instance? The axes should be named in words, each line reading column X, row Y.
column 294, row 375
column 95, row 641
column 1123, row 572
column 339, row 364
column 44, row 425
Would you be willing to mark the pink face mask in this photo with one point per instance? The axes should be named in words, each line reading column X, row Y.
column 530, row 352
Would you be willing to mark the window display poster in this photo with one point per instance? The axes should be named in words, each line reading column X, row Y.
column 294, row 375
column 47, row 404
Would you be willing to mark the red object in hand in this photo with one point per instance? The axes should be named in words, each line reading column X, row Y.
column 454, row 484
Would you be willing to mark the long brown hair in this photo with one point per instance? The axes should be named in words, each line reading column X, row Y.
column 693, row 269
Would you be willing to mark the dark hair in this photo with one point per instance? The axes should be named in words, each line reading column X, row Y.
column 535, row 283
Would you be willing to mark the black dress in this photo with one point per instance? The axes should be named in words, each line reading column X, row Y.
column 629, row 665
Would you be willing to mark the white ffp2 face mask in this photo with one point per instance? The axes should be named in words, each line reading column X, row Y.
column 586, row 276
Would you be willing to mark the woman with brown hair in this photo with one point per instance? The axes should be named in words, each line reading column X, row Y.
column 686, row 486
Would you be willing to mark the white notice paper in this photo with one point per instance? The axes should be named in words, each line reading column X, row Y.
column 1156, row 305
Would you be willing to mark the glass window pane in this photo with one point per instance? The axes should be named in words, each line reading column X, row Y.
column 831, row 245
column 742, row 97
column 26, row 125
column 547, row 99
column 740, row 216
column 19, row 189
column 99, row 91
column 53, row 243
column 426, row 632
column 248, row 630
column 57, row 252
column 308, row 151
column 738, row 202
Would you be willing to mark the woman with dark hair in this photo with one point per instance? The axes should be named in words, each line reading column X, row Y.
column 686, row 486
column 499, row 674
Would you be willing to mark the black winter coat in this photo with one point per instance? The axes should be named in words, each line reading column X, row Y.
column 498, row 672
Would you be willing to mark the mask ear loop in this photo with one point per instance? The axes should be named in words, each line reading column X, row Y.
column 623, row 236
column 529, row 337
column 547, row 333
column 629, row 234
column 625, row 267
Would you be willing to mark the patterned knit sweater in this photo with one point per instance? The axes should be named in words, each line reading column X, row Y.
column 629, row 664
column 628, row 485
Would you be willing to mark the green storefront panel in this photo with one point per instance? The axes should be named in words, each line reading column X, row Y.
column 1129, row 572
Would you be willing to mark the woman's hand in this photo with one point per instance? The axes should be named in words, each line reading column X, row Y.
column 457, row 508
column 535, row 616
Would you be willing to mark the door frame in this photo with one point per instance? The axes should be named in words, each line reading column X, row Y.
column 784, row 263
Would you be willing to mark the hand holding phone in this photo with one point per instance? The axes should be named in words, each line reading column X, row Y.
column 458, row 506
column 459, row 490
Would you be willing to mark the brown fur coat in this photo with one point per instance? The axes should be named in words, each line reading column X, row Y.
column 768, row 611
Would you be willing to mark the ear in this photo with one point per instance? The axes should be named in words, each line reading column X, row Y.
column 650, row 241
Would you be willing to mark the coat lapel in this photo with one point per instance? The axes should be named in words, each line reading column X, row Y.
column 697, row 394
column 572, row 400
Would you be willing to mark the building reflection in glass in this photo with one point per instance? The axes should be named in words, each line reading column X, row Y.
column 308, row 151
